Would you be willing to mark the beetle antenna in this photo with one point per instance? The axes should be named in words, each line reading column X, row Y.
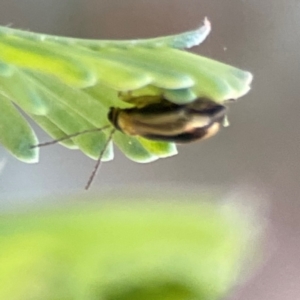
column 66, row 137
column 98, row 163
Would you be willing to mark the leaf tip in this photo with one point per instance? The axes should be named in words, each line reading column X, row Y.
column 30, row 156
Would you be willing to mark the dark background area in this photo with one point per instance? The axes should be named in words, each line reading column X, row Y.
column 258, row 153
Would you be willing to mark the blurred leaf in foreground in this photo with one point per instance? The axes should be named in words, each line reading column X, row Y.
column 125, row 251
column 67, row 85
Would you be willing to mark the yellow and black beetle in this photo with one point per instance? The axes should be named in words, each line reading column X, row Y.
column 160, row 121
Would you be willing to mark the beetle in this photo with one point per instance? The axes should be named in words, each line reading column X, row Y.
column 160, row 121
column 169, row 122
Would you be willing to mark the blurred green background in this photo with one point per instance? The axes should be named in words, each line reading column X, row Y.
column 130, row 248
column 257, row 155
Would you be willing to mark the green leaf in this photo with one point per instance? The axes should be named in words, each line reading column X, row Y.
column 6, row 70
column 19, row 90
column 54, row 131
column 20, row 136
column 133, row 148
column 67, row 85
column 124, row 250
column 47, row 58
column 161, row 149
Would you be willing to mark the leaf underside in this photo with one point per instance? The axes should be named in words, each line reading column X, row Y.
column 67, row 85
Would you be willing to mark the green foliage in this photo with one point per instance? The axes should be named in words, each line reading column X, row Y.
column 125, row 251
column 67, row 85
